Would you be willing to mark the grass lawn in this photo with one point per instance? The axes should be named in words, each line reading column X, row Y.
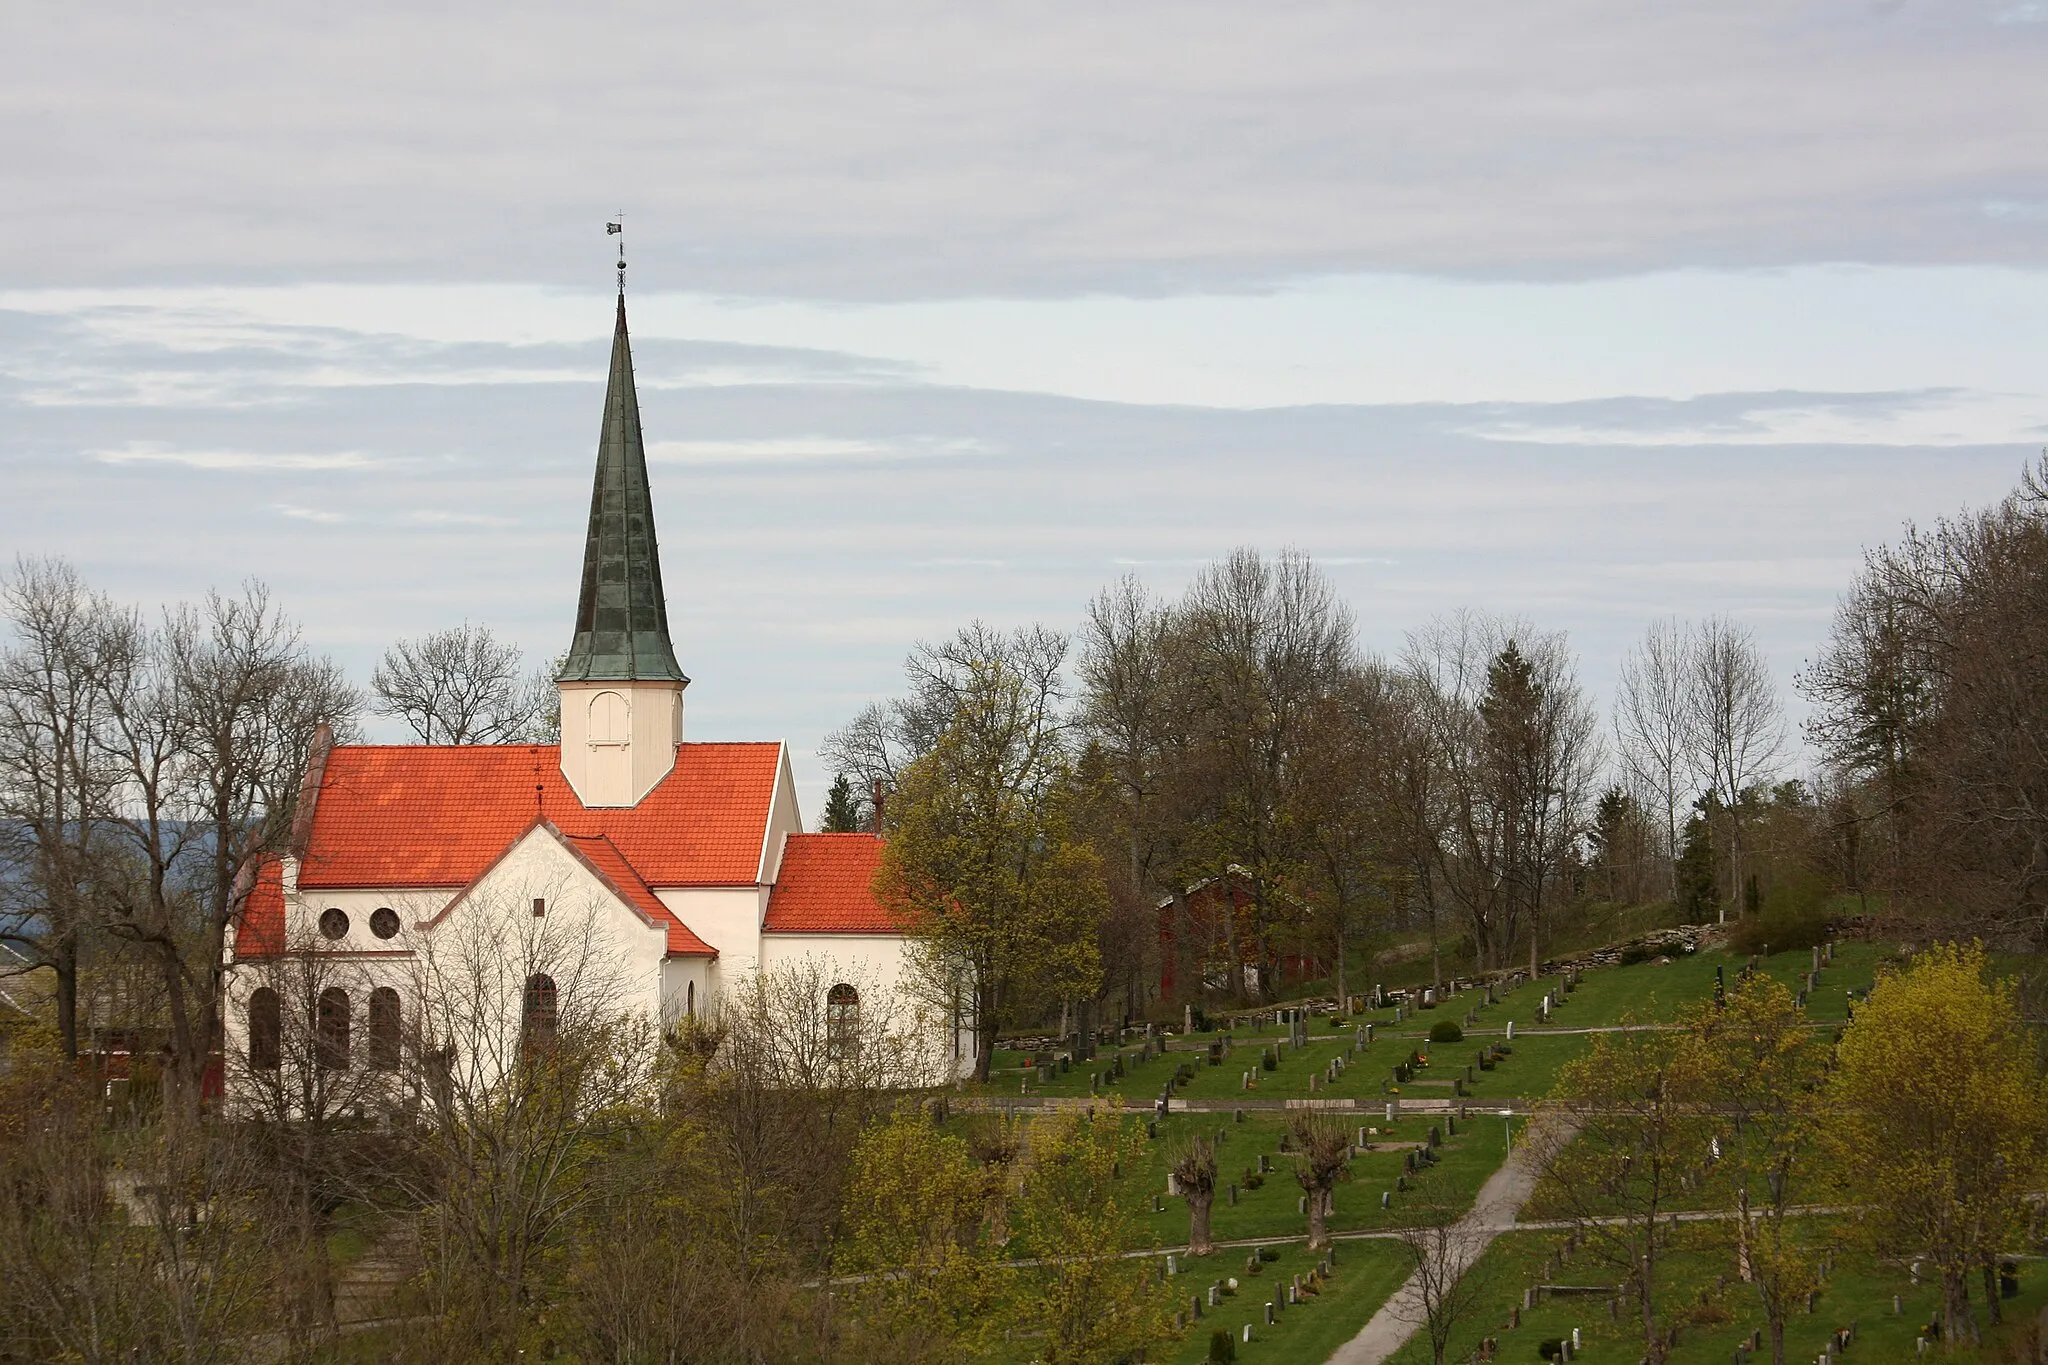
column 1858, row 1292
column 1365, row 1274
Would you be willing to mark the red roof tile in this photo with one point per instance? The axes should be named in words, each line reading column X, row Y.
column 613, row 867
column 826, row 887
column 261, row 932
column 438, row 815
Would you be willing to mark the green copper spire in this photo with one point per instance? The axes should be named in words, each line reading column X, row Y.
column 621, row 616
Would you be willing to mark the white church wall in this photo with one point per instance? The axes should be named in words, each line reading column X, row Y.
column 726, row 917
column 879, row 960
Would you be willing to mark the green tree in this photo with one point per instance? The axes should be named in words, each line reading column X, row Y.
column 1625, row 1129
column 925, row 1287
column 1936, row 1106
column 843, row 813
column 1759, row 1067
column 1092, row 1301
column 984, row 865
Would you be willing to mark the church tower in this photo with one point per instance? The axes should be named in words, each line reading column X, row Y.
column 622, row 692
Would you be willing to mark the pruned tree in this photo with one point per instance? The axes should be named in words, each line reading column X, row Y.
column 1322, row 1161
column 463, row 686
column 1193, row 1166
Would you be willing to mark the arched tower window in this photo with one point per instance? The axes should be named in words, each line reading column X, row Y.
column 266, row 1029
column 538, row 1014
column 330, row 1030
column 611, row 719
column 842, row 1022
column 385, row 1022
column 691, row 997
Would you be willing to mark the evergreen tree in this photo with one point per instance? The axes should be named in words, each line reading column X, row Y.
column 843, row 813
column 1698, row 894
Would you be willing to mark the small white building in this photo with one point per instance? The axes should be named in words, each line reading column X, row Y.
column 672, row 869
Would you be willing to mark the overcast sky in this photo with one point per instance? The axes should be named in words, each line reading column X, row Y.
column 1588, row 311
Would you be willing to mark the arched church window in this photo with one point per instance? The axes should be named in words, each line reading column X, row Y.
column 691, row 997
column 842, row 1022
column 611, row 719
column 538, row 1014
column 334, row 923
column 266, row 1029
column 385, row 1023
column 330, row 1030
column 384, row 922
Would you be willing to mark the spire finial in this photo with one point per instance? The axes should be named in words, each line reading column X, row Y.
column 617, row 229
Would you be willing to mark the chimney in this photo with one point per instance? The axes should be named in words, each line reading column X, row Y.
column 878, row 807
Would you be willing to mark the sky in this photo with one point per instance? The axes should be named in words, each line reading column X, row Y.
column 1593, row 312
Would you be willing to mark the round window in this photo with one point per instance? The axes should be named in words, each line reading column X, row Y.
column 384, row 922
column 334, row 923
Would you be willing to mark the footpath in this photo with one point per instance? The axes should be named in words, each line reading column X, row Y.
column 1493, row 1212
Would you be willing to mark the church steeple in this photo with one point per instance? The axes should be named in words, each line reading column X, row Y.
column 622, row 693
column 621, row 614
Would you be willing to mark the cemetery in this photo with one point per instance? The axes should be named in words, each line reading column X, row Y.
column 1428, row 1124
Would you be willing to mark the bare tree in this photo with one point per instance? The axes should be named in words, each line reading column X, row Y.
column 1515, row 747
column 1653, row 722
column 1737, row 727
column 462, row 686
column 1446, row 1284
column 55, row 784
column 525, row 1047
column 208, row 720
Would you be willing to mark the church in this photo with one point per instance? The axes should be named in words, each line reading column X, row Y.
column 684, row 868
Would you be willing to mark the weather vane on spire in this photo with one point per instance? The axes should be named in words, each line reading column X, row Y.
column 618, row 229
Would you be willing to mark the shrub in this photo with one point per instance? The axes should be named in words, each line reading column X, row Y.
column 1637, row 953
column 1268, row 1254
column 1792, row 916
column 1551, row 1348
column 1446, row 1031
column 1222, row 1349
column 1269, row 1061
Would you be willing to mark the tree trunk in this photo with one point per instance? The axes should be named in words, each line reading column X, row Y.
column 1200, row 1243
column 65, row 963
column 1318, row 1219
column 1777, row 1321
column 1993, row 1312
column 1343, row 1000
column 1958, row 1327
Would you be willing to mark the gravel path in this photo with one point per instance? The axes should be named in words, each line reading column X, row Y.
column 1493, row 1213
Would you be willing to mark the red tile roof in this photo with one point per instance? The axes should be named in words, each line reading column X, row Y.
column 825, row 887
column 261, row 932
column 613, row 867
column 438, row 815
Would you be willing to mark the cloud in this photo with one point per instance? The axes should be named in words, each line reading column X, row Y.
column 297, row 513
column 807, row 449
column 145, row 452
column 441, row 518
column 918, row 149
